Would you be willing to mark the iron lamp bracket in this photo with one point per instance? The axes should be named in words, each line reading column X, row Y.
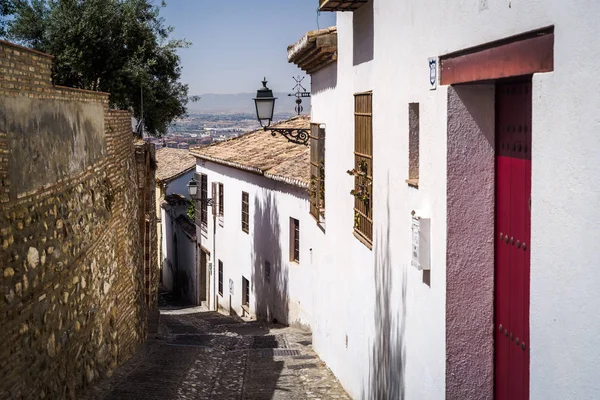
column 299, row 136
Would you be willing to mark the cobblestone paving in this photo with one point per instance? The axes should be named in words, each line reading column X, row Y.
column 205, row 355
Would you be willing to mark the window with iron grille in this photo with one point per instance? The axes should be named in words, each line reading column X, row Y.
column 363, row 165
column 204, row 199
column 221, row 199
column 221, row 277
column 294, row 240
column 245, row 213
column 317, row 172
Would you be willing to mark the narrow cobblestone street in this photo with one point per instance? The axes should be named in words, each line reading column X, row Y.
column 206, row 355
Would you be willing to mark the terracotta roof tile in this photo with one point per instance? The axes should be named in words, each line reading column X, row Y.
column 172, row 163
column 315, row 50
column 272, row 156
column 175, row 200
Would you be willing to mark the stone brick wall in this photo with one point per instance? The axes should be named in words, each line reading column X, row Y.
column 74, row 291
column 145, row 157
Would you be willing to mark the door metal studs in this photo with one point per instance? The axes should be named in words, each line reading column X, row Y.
column 524, row 246
column 512, row 240
column 523, row 346
column 517, row 341
column 500, row 328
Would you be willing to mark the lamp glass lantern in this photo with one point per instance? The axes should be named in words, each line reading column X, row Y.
column 265, row 105
column 192, row 188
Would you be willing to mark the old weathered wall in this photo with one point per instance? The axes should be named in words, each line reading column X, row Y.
column 72, row 298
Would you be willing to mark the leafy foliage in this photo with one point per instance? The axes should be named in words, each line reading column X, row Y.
column 116, row 46
column 362, row 190
column 191, row 211
column 317, row 185
column 7, row 8
column 362, row 187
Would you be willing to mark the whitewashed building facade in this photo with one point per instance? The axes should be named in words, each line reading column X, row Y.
column 176, row 232
column 255, row 236
column 479, row 118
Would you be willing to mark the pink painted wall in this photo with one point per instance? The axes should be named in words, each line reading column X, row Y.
column 470, row 247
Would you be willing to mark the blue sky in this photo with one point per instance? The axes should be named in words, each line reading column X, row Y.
column 237, row 42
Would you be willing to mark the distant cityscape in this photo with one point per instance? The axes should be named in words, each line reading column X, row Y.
column 201, row 129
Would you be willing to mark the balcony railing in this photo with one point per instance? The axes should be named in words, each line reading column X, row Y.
column 341, row 5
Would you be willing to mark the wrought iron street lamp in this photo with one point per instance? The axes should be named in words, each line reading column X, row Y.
column 265, row 106
column 192, row 188
column 193, row 192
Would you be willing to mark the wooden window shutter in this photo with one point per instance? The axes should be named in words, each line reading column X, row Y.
column 204, row 199
column 317, row 172
column 214, row 198
column 221, row 200
column 245, row 212
column 363, row 164
column 198, row 202
column 221, row 277
column 294, row 241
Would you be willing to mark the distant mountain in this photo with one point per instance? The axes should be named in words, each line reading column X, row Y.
column 243, row 103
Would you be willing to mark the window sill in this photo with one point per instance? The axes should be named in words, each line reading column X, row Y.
column 413, row 183
column 363, row 240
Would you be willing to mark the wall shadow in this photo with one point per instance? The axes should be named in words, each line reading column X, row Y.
column 388, row 355
column 324, row 79
column 269, row 279
column 363, row 34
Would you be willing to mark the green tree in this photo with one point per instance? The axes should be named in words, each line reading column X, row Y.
column 118, row 46
column 7, row 8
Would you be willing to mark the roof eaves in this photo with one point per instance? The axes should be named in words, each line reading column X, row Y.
column 258, row 171
column 228, row 163
column 285, row 179
column 177, row 175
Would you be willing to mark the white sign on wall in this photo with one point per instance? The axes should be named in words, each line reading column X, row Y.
column 433, row 72
column 231, row 287
column 420, row 241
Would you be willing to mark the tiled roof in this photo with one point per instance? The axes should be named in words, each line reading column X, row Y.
column 172, row 163
column 341, row 5
column 272, row 156
column 175, row 200
column 315, row 50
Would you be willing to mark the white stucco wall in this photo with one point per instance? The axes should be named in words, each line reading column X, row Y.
column 395, row 316
column 179, row 185
column 167, row 267
column 287, row 297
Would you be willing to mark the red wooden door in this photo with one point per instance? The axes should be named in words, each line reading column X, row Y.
column 513, row 232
